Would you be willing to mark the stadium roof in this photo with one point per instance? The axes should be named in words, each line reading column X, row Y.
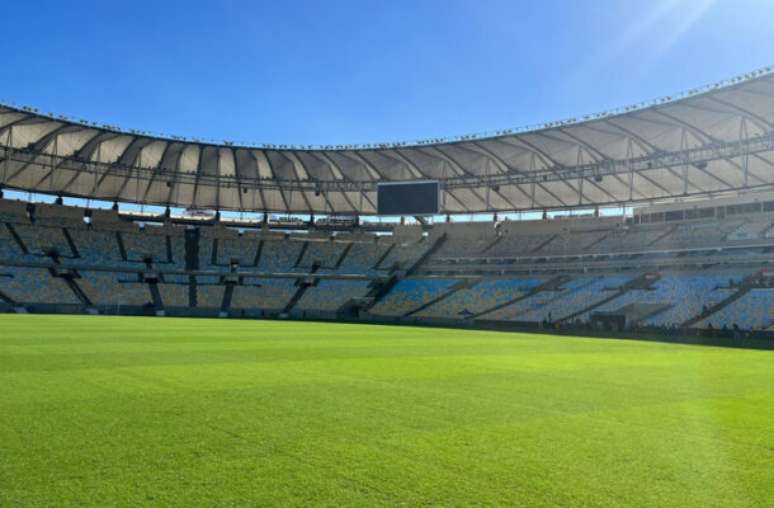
column 714, row 140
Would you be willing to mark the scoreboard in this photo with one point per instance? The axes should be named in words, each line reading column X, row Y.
column 408, row 198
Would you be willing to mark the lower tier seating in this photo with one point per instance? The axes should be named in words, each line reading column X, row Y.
column 35, row 285
column 263, row 294
column 581, row 294
column 753, row 311
column 538, row 306
column 113, row 289
column 174, row 295
column 209, row 296
column 684, row 295
column 481, row 296
column 411, row 293
column 330, row 295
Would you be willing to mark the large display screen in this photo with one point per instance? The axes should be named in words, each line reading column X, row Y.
column 407, row 198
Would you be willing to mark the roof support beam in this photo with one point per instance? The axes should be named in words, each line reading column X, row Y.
column 505, row 169
column 279, row 188
column 258, row 185
column 197, row 176
column 363, row 195
column 547, row 160
column 37, row 150
column 448, row 159
column 155, row 173
column 753, row 117
column 370, row 167
column 296, row 163
column 459, row 168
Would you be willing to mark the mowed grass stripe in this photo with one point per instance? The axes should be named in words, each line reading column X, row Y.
column 190, row 412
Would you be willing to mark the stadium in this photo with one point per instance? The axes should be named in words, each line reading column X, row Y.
column 693, row 256
column 577, row 313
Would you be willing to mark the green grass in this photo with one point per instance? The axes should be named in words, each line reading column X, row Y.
column 98, row 411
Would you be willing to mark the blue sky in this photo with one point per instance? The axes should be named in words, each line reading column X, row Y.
column 344, row 72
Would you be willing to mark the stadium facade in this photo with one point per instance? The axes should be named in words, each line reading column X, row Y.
column 698, row 168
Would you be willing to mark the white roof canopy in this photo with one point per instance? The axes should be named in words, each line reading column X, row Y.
column 712, row 141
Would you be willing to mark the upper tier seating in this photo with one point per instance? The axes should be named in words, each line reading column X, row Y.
column 58, row 216
column 145, row 244
column 205, row 254
column 171, row 278
column 362, row 257
column 404, row 255
column 460, row 244
column 242, row 250
column 41, row 240
column 323, row 253
column 513, row 245
column 98, row 247
column 279, row 255
column 571, row 242
column 753, row 229
column 629, row 238
column 9, row 248
column 697, row 234
column 13, row 211
column 177, row 249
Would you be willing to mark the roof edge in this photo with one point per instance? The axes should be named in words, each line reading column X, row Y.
column 726, row 84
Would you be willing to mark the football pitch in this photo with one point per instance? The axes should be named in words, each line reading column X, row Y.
column 113, row 411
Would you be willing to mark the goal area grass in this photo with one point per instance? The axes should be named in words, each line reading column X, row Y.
column 129, row 411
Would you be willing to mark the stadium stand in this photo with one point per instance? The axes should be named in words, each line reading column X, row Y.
column 363, row 257
column 145, row 244
column 9, row 247
column 174, row 295
column 35, row 285
column 558, row 303
column 753, row 311
column 580, row 295
column 631, row 238
column 681, row 297
column 565, row 271
column 98, row 247
column 329, row 295
column 322, row 253
column 753, row 229
column 263, row 294
column 482, row 295
column 689, row 243
column 411, row 293
column 279, row 255
column 403, row 256
column 242, row 250
column 112, row 290
column 43, row 241
column 209, row 295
